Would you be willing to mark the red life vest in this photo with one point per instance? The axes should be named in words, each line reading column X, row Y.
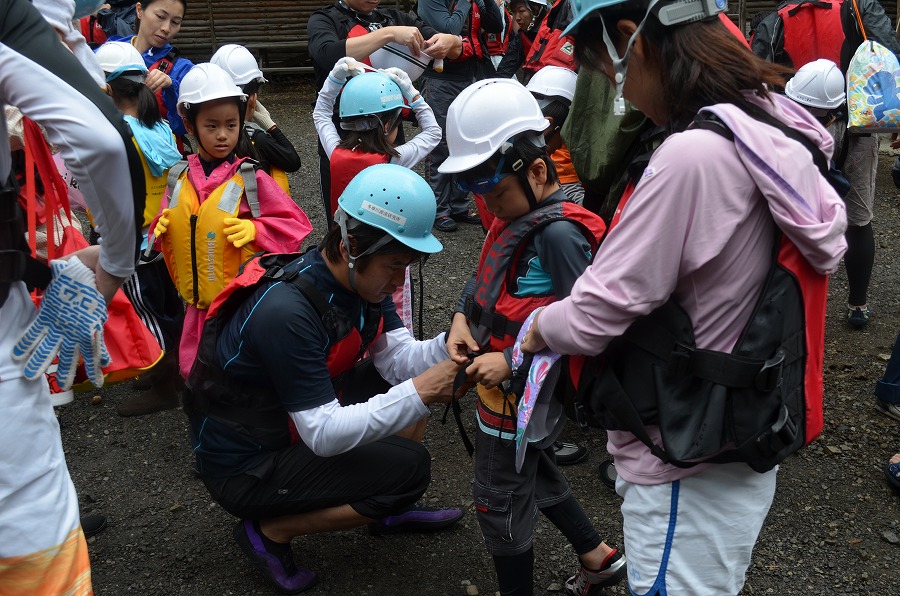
column 347, row 163
column 211, row 392
column 548, row 48
column 92, row 31
column 812, row 30
column 497, row 43
column 164, row 64
column 495, row 315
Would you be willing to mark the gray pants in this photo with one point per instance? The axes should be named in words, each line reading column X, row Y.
column 439, row 93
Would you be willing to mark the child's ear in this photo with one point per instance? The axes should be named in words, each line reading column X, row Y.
column 187, row 122
column 538, row 169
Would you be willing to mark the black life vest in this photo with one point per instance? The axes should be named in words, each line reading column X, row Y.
column 757, row 405
column 211, row 392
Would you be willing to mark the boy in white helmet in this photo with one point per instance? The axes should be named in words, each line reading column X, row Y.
column 274, row 150
column 543, row 242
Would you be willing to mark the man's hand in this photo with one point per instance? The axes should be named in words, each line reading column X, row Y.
column 443, row 45
column 157, row 79
column 107, row 284
column 69, row 324
column 407, row 36
column 435, row 385
column 460, row 342
column 489, row 369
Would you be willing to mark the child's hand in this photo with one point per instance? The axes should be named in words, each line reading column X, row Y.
column 262, row 117
column 345, row 68
column 162, row 224
column 239, row 231
column 489, row 369
column 400, row 77
column 459, row 339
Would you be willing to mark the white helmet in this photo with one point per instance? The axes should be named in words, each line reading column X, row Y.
column 554, row 81
column 121, row 59
column 238, row 62
column 395, row 55
column 819, row 84
column 485, row 115
column 206, row 82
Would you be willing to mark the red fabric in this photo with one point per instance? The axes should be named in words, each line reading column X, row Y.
column 549, row 48
column 497, row 43
column 132, row 348
column 471, row 43
column 813, row 32
column 729, row 24
column 347, row 163
column 92, row 31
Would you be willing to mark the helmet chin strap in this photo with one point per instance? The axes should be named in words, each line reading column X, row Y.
column 345, row 222
column 620, row 65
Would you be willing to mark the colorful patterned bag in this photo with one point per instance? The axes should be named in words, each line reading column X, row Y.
column 873, row 87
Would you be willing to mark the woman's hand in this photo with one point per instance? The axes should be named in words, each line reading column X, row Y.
column 157, row 79
column 489, row 369
column 533, row 341
column 459, row 339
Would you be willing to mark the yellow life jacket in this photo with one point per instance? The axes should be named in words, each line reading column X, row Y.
column 280, row 176
column 200, row 259
column 156, row 186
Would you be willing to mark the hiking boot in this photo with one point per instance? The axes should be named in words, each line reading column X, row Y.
column 164, row 385
column 469, row 217
column 416, row 519
column 858, row 316
column 279, row 569
column 588, row 583
column 887, row 408
column 445, row 224
column 569, row 453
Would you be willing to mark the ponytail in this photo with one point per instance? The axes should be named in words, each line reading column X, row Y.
column 138, row 93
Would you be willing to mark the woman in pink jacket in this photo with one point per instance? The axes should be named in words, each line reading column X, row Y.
column 697, row 240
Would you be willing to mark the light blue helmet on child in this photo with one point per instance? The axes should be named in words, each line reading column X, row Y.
column 366, row 95
column 394, row 199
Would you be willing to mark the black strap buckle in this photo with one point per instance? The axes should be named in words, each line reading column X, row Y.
column 769, row 377
column 680, row 361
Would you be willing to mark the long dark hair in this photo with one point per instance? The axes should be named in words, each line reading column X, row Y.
column 131, row 91
column 702, row 63
column 374, row 140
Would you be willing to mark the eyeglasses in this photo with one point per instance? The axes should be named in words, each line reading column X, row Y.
column 481, row 186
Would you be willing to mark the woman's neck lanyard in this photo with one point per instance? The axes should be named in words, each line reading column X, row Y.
column 359, row 17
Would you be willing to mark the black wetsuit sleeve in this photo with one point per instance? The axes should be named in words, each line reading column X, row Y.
column 513, row 59
column 275, row 148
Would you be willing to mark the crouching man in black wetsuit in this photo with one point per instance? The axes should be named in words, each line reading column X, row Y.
column 292, row 433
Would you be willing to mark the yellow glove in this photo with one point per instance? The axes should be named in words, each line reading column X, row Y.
column 162, row 224
column 239, row 231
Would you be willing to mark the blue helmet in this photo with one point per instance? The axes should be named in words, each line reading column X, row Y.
column 669, row 12
column 368, row 94
column 394, row 199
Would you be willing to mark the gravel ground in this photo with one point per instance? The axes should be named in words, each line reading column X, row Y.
column 833, row 528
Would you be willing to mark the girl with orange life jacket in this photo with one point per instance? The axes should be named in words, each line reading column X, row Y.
column 219, row 208
column 150, row 288
column 537, row 246
column 157, row 24
column 370, row 107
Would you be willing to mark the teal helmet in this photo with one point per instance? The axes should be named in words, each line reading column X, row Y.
column 393, row 199
column 668, row 12
column 366, row 95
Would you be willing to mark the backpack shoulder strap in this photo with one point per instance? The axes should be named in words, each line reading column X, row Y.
column 175, row 173
column 251, row 190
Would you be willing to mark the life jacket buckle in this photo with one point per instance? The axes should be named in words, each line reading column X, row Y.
column 680, row 361
column 769, row 377
column 782, row 433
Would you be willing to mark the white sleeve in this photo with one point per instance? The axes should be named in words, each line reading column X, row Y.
column 399, row 356
column 322, row 114
column 417, row 149
column 89, row 144
column 332, row 429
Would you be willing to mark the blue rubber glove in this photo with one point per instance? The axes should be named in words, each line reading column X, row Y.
column 69, row 323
